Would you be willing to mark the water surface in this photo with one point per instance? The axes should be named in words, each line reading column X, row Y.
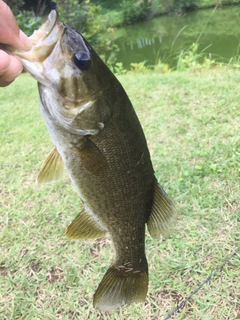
column 217, row 31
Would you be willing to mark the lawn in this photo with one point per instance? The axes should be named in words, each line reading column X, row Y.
column 191, row 121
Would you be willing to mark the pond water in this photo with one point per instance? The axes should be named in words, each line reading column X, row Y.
column 216, row 31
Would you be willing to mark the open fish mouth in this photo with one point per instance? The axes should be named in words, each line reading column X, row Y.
column 46, row 29
column 44, row 39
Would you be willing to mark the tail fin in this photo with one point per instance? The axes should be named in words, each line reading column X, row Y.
column 119, row 286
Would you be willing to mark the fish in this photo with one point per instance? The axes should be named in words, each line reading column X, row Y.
column 99, row 141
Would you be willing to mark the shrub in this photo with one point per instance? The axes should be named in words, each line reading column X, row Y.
column 28, row 22
column 85, row 19
column 15, row 5
column 185, row 5
column 135, row 11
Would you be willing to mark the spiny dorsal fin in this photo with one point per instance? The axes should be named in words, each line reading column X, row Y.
column 84, row 227
column 119, row 287
column 163, row 216
column 52, row 169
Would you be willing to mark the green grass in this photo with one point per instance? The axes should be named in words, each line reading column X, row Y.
column 191, row 121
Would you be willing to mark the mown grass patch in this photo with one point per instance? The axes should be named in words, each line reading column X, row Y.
column 191, row 121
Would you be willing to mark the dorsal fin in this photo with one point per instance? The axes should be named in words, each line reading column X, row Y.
column 163, row 216
column 52, row 169
column 84, row 227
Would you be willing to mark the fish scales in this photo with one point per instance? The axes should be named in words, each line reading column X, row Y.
column 98, row 139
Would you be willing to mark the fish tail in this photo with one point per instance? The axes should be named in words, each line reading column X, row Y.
column 121, row 285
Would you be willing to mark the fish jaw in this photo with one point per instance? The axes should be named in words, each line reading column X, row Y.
column 45, row 30
column 44, row 41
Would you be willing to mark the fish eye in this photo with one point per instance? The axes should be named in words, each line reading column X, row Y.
column 82, row 60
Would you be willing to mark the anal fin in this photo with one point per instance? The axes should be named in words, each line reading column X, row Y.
column 84, row 227
column 52, row 169
column 163, row 216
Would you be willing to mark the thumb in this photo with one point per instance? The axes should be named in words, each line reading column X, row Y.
column 9, row 30
column 25, row 41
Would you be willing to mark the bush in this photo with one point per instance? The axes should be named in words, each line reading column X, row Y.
column 28, row 22
column 76, row 18
column 135, row 11
column 15, row 5
column 185, row 5
column 192, row 59
column 85, row 18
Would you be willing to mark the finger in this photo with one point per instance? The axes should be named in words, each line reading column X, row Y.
column 4, row 61
column 25, row 41
column 9, row 30
column 14, row 69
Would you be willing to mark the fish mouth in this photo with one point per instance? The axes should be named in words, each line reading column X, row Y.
column 46, row 29
column 44, row 40
column 46, row 36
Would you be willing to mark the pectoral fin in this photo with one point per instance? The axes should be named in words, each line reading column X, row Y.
column 52, row 168
column 163, row 216
column 84, row 227
column 92, row 158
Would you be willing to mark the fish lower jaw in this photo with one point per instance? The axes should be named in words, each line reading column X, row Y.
column 35, row 69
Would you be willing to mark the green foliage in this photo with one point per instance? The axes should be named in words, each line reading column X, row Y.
column 108, row 3
column 28, row 22
column 134, row 11
column 81, row 18
column 15, row 5
column 118, row 68
column 86, row 19
column 191, row 59
column 161, row 67
column 139, row 67
column 235, row 62
column 185, row 5
column 188, row 59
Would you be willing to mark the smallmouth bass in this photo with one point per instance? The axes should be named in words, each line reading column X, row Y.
column 98, row 139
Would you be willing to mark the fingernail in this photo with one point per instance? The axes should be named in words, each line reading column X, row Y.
column 27, row 43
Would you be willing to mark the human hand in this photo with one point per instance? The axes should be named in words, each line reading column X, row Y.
column 10, row 67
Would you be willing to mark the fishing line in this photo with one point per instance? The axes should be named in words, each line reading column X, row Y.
column 202, row 284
